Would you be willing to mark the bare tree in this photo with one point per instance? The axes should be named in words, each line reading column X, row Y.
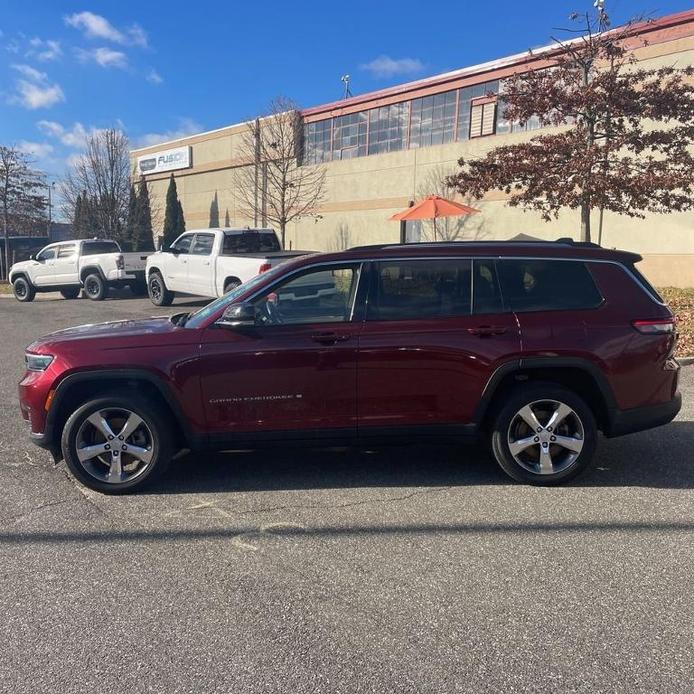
column 22, row 206
column 274, row 186
column 464, row 228
column 101, row 175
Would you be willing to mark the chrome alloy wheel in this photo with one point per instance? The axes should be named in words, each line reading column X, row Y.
column 114, row 445
column 546, row 437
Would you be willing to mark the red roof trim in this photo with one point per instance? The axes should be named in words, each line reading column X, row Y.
column 478, row 73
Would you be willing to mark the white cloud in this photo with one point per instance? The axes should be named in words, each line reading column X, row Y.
column 33, row 96
column 40, row 150
column 186, row 126
column 30, row 72
column 44, row 51
column 385, row 66
column 105, row 57
column 138, row 36
column 94, row 26
column 34, row 91
column 75, row 136
column 154, row 77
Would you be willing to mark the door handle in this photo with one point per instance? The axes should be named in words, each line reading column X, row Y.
column 330, row 338
column 487, row 330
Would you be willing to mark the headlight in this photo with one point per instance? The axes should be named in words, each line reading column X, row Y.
column 37, row 362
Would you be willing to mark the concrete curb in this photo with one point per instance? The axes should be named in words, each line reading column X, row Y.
column 685, row 361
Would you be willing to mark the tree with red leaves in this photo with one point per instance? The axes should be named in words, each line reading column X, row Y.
column 624, row 133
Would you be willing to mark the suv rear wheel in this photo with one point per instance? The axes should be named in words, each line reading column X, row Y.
column 159, row 295
column 544, row 434
column 118, row 443
column 23, row 290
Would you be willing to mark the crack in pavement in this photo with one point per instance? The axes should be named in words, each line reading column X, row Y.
column 390, row 499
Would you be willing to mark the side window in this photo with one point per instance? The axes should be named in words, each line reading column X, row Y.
column 46, row 254
column 182, row 245
column 411, row 289
column 67, row 250
column 203, row 244
column 486, row 293
column 321, row 295
column 547, row 285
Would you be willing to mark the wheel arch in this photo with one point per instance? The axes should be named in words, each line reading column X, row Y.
column 17, row 274
column 231, row 278
column 579, row 375
column 91, row 270
column 76, row 388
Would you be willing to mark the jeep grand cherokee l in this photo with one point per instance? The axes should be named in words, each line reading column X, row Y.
column 535, row 347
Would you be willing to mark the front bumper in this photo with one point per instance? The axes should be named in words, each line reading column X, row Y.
column 640, row 418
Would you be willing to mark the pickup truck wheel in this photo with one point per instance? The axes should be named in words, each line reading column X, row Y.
column 230, row 285
column 118, row 443
column 159, row 295
column 544, row 434
column 70, row 293
column 95, row 288
column 23, row 290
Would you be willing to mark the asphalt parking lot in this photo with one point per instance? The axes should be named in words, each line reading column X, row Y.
column 401, row 570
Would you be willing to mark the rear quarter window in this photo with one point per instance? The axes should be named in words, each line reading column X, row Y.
column 250, row 242
column 530, row 284
column 98, row 247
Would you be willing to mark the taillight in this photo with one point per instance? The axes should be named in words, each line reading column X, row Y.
column 120, row 262
column 264, row 268
column 662, row 326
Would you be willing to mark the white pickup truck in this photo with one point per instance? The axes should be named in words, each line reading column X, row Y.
column 94, row 265
column 212, row 262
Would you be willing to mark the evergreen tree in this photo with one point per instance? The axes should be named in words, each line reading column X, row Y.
column 181, row 223
column 145, row 237
column 171, row 215
column 132, row 221
column 77, row 216
column 214, row 212
column 227, row 223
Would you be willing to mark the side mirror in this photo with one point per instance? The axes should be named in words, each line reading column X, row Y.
column 32, row 256
column 237, row 316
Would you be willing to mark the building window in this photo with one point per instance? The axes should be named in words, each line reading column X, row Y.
column 349, row 135
column 433, row 119
column 388, row 128
column 483, row 116
column 468, row 96
column 317, row 145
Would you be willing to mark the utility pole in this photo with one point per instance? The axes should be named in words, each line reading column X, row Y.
column 256, row 171
column 50, row 209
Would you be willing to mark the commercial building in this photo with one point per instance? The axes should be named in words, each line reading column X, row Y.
column 383, row 149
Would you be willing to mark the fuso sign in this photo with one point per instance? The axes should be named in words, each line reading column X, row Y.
column 168, row 160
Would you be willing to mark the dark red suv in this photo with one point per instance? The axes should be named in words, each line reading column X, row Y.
column 536, row 346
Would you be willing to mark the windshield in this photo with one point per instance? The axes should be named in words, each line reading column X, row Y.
column 250, row 242
column 97, row 247
column 195, row 320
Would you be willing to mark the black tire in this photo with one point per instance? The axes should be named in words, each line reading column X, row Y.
column 543, row 446
column 23, row 290
column 159, row 295
column 152, row 437
column 70, row 292
column 138, row 288
column 94, row 287
column 231, row 284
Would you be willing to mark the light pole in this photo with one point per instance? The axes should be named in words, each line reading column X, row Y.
column 50, row 209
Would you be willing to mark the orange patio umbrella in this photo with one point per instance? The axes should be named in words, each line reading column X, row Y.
column 434, row 206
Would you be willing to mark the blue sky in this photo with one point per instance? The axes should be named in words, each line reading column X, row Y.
column 165, row 69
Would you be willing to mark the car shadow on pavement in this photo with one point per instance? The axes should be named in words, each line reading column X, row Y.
column 660, row 458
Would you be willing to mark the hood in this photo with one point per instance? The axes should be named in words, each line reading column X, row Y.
column 106, row 331
column 22, row 265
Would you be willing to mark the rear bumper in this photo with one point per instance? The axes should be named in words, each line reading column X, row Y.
column 629, row 421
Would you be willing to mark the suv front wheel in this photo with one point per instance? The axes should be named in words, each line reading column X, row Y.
column 118, row 443
column 544, row 434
